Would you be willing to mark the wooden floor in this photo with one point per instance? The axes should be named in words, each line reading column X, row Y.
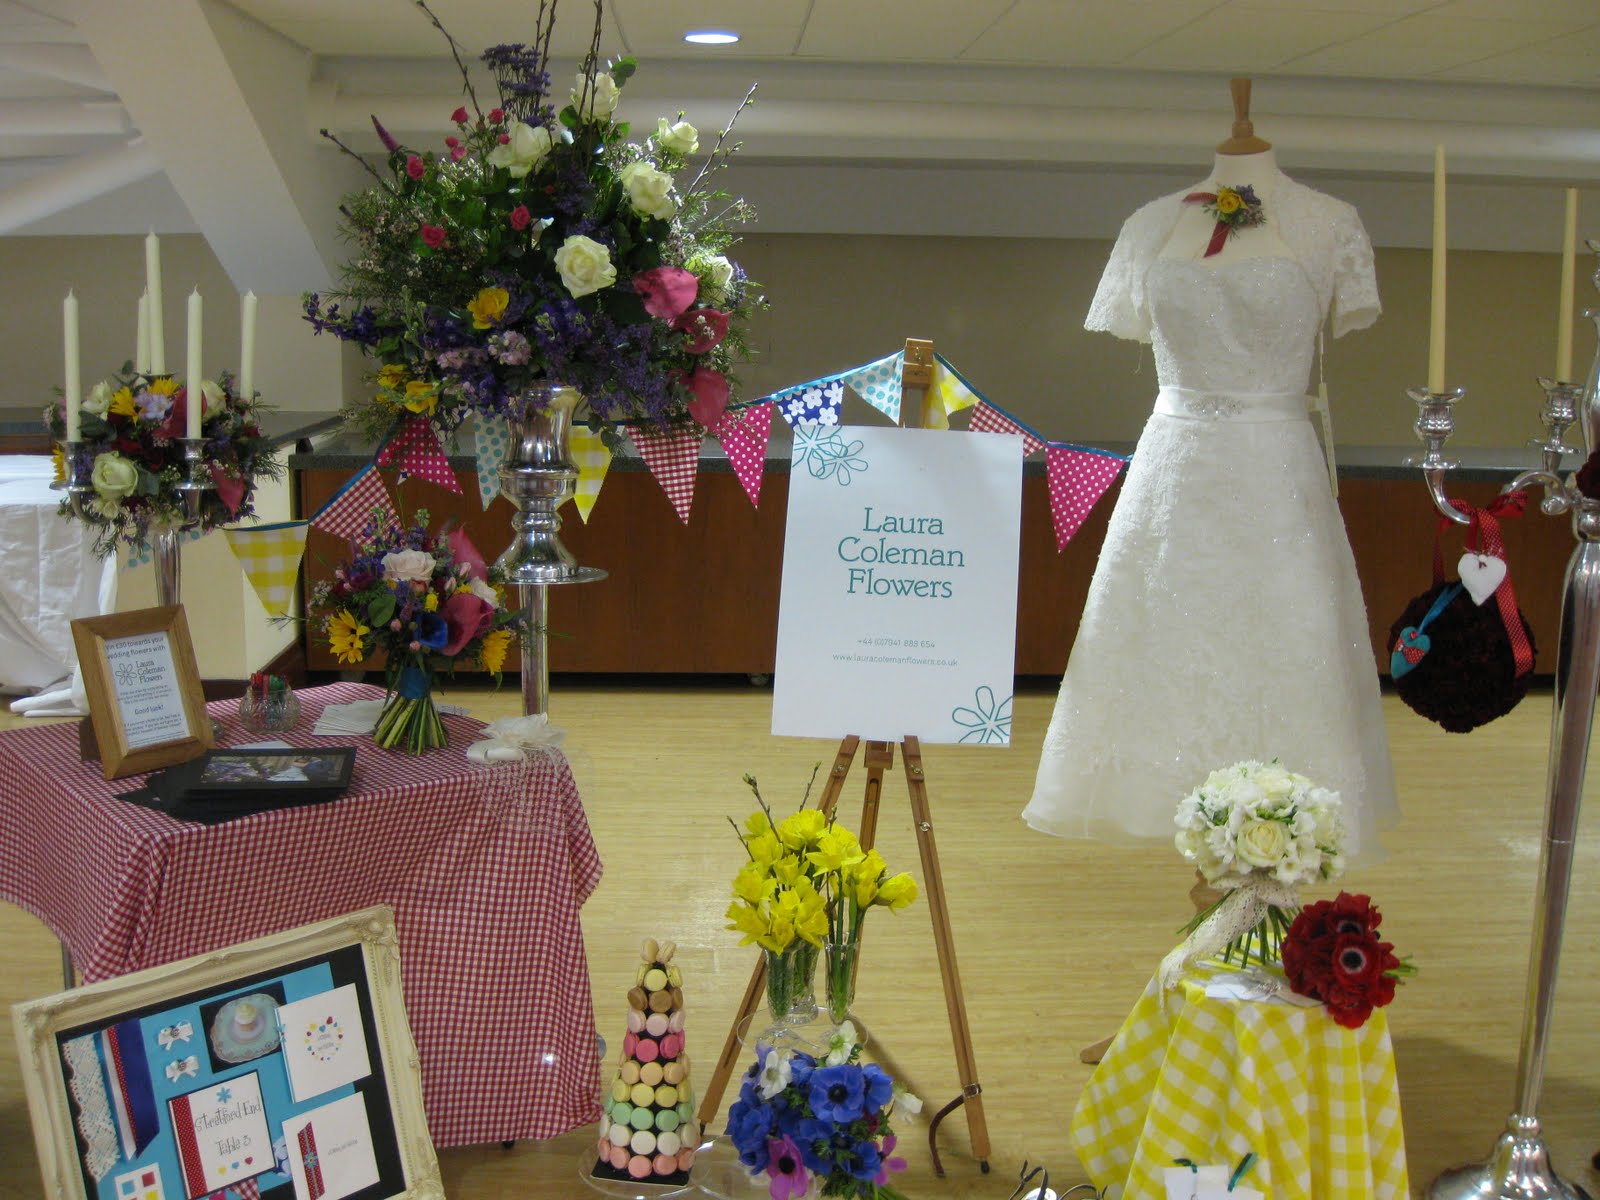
column 1056, row 939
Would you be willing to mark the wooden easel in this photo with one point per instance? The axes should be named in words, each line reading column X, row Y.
column 917, row 375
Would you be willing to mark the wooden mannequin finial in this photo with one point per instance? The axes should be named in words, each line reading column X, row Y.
column 1244, row 139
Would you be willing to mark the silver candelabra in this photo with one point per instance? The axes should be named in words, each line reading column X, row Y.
column 1519, row 1167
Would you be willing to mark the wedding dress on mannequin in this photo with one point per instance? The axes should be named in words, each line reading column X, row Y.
column 1225, row 620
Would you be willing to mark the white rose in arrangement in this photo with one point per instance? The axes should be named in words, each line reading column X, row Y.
column 585, row 265
column 603, row 96
column 408, row 566
column 649, row 190
column 215, row 397
column 1263, row 843
column 481, row 589
column 114, row 477
column 99, row 399
column 525, row 149
column 718, row 274
column 679, row 137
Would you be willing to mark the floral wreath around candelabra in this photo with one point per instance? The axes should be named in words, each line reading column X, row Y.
column 538, row 245
column 131, row 449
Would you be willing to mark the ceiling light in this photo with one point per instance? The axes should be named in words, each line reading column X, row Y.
column 711, row 37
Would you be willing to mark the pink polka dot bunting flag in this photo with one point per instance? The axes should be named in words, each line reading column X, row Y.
column 673, row 458
column 986, row 418
column 744, row 437
column 416, row 451
column 1078, row 478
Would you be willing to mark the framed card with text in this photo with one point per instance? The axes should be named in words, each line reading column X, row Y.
column 277, row 1069
column 145, row 700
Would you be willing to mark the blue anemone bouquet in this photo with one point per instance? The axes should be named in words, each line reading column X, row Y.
column 800, row 1118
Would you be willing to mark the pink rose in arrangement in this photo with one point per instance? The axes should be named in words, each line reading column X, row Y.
column 432, row 236
column 520, row 216
column 460, row 115
column 415, row 167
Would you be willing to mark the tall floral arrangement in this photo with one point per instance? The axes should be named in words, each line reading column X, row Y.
column 541, row 242
column 806, row 1119
column 428, row 602
column 131, row 448
column 1257, row 831
column 807, row 887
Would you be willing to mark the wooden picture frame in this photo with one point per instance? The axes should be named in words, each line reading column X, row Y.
column 194, row 1100
column 146, row 704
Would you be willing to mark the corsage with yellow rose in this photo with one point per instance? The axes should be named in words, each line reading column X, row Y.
column 1233, row 209
column 806, row 889
column 1255, row 831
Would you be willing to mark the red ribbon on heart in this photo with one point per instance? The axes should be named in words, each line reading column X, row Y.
column 1483, row 537
column 1219, row 235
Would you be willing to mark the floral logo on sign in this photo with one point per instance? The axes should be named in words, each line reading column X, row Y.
column 826, row 455
column 988, row 723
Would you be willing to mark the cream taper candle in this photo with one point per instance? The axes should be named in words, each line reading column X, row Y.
column 73, row 397
column 141, row 344
column 247, row 346
column 152, row 284
column 191, row 380
column 1436, row 312
column 1569, row 251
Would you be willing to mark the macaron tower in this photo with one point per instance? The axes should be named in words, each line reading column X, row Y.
column 648, row 1133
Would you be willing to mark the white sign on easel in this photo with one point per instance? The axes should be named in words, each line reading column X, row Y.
column 899, row 605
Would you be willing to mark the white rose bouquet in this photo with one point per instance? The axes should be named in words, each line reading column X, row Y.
column 1257, row 832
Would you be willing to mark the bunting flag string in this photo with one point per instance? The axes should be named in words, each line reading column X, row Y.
column 593, row 458
column 878, row 383
column 814, row 403
column 491, row 441
column 346, row 514
column 988, row 417
column 270, row 556
column 1078, row 478
column 744, row 436
column 415, row 450
column 673, row 458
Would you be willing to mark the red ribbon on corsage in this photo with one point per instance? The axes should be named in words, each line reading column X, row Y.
column 1483, row 567
column 1219, row 235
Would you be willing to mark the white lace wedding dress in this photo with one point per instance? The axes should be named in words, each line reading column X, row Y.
column 1224, row 621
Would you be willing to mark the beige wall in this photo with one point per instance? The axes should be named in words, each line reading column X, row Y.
column 1008, row 312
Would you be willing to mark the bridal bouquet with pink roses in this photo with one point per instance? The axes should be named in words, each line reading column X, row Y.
column 426, row 601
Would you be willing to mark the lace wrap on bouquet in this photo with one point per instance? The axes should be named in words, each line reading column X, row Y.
column 1240, row 911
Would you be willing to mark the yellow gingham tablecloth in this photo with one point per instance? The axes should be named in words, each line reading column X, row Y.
column 1214, row 1079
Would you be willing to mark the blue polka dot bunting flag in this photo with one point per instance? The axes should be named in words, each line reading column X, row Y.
column 492, row 441
column 878, row 383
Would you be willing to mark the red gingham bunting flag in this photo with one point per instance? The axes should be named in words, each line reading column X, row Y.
column 347, row 514
column 1078, row 478
column 986, row 418
column 744, row 437
column 416, row 451
column 673, row 458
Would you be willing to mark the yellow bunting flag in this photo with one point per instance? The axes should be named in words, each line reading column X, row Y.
column 948, row 394
column 270, row 556
column 594, row 460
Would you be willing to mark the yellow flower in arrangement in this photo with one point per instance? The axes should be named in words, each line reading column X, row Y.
column 748, row 920
column 764, row 848
column 800, row 830
column 421, row 397
column 862, row 879
column 58, row 463
column 393, row 377
column 1228, row 201
column 430, row 602
column 344, row 636
column 493, row 653
column 803, row 908
column 488, row 307
column 897, row 891
column 163, row 385
column 122, row 404
column 788, row 870
column 836, row 849
column 753, row 885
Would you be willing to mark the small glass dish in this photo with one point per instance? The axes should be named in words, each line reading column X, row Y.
column 270, row 709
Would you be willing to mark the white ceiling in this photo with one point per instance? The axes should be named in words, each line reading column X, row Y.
column 1358, row 89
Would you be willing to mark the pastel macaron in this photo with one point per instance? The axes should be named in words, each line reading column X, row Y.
column 643, row 1142
column 674, row 1022
column 657, row 1024
column 667, row 1119
column 618, row 1135
column 648, row 1049
column 668, row 1142
column 619, row 1157
column 664, row 1164
column 666, row 1096
column 655, row 979
column 639, row 1166
column 651, row 1073
column 671, row 1046
column 642, row 1096
column 636, row 1021
column 672, row 1073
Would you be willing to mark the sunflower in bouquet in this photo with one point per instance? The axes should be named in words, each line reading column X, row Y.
column 425, row 600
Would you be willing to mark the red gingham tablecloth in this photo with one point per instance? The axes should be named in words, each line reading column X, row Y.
column 485, row 868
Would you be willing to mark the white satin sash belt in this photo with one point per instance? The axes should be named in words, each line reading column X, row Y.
column 1192, row 404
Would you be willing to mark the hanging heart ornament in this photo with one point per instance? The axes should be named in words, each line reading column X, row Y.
column 1408, row 651
column 1481, row 575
